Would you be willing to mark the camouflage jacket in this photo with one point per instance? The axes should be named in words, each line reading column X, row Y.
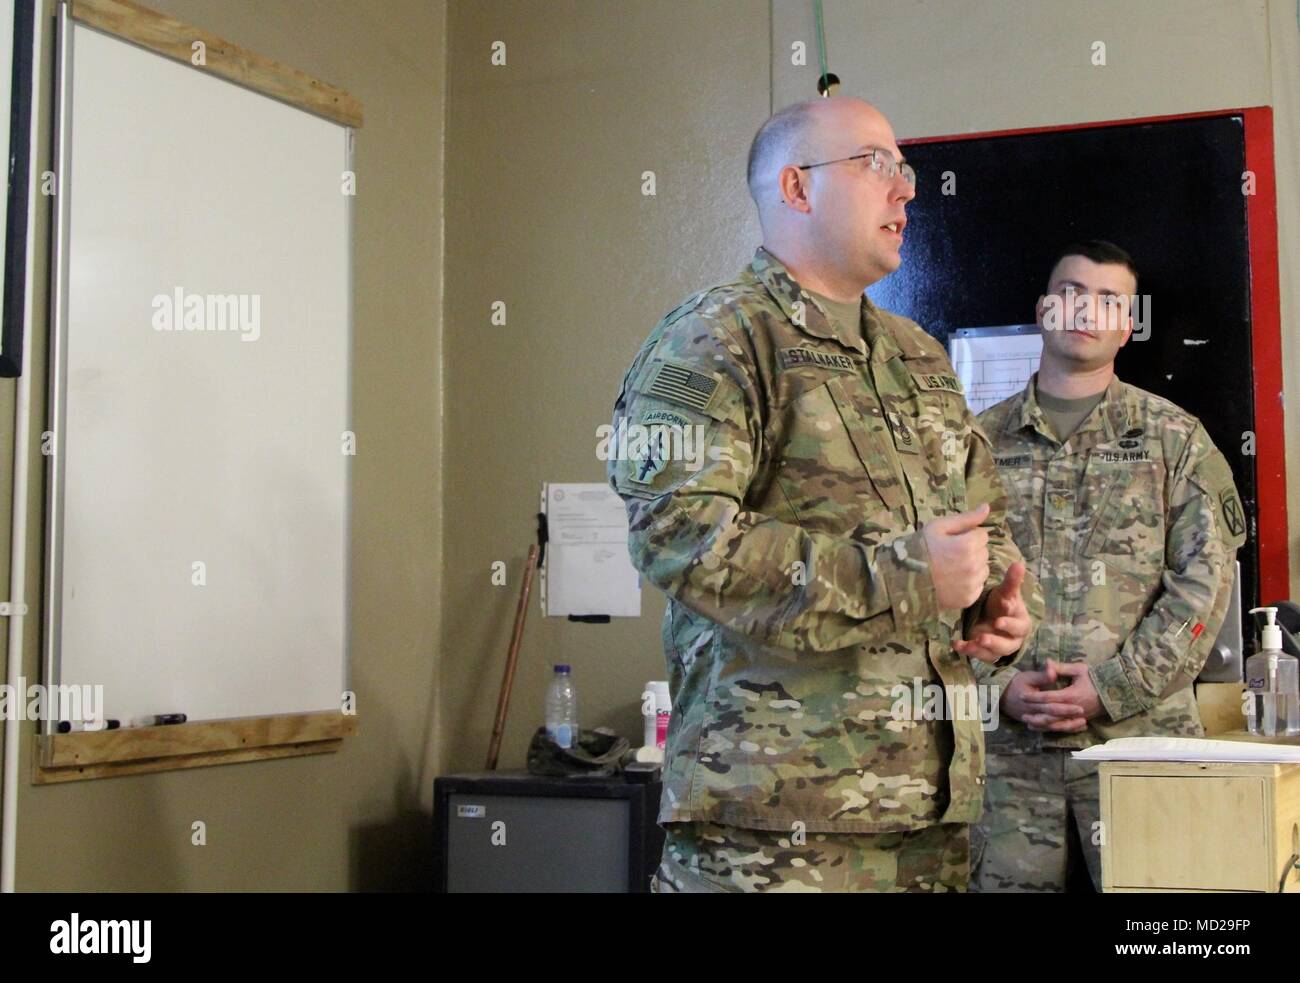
column 800, row 597
column 1132, row 527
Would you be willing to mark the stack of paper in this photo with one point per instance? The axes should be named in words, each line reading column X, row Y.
column 1189, row 749
column 587, row 569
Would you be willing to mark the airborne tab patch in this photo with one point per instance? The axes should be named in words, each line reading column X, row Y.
column 936, row 380
column 791, row 357
column 682, row 384
column 664, row 418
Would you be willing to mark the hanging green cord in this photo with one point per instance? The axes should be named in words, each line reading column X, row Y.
column 821, row 45
column 1291, row 864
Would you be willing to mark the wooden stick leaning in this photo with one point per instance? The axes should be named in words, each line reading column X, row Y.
column 512, row 660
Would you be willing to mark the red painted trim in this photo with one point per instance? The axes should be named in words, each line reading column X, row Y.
column 1266, row 356
column 1137, row 121
column 1272, row 531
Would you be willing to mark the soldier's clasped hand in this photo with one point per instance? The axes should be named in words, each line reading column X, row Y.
column 1079, row 691
column 1032, row 697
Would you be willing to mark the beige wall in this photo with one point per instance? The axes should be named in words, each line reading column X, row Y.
column 544, row 211
column 349, row 820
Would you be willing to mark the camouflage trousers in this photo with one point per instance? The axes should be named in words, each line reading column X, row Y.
column 702, row 858
column 1041, row 812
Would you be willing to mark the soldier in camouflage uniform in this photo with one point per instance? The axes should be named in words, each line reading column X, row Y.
column 843, row 537
column 1128, row 514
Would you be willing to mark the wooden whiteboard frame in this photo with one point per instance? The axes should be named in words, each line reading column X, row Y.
column 103, row 754
column 178, row 41
column 137, row 750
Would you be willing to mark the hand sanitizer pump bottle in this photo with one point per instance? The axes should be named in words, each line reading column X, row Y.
column 1273, row 684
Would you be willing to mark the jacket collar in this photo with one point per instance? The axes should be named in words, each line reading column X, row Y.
column 785, row 290
column 1108, row 420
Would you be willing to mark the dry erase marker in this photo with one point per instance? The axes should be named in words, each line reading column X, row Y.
column 159, row 719
column 70, row 726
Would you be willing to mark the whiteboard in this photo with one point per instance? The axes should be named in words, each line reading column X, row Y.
column 994, row 364
column 198, row 516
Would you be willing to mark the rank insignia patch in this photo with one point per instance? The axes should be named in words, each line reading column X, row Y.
column 905, row 438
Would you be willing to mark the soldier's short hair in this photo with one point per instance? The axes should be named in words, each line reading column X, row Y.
column 788, row 137
column 1099, row 251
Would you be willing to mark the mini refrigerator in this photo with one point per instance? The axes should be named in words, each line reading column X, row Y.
column 514, row 832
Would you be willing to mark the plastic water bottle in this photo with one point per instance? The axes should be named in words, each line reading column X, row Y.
column 562, row 709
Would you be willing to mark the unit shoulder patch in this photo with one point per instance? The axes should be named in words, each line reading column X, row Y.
column 1230, row 506
column 1214, row 477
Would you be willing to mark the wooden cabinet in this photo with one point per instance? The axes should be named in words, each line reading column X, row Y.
column 1190, row 826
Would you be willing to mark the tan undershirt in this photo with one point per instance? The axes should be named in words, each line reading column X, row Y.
column 847, row 313
column 1065, row 415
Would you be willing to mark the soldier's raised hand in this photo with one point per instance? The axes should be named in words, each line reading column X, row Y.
column 959, row 556
column 1004, row 623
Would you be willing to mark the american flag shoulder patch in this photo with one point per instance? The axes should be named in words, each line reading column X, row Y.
column 682, row 384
